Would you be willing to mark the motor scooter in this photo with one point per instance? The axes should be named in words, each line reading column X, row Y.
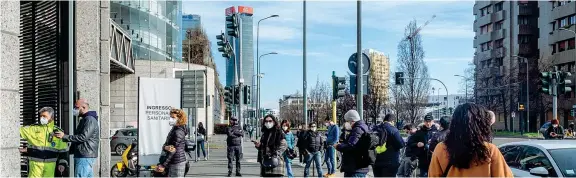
column 127, row 166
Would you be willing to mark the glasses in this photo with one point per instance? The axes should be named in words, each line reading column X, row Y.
column 266, row 121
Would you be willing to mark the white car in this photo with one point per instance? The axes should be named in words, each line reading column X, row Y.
column 541, row 158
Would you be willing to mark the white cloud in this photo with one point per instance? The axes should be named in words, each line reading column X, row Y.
column 449, row 59
column 278, row 33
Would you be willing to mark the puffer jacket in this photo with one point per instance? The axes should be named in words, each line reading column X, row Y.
column 437, row 138
column 424, row 134
column 177, row 138
column 235, row 134
column 313, row 142
column 349, row 155
column 85, row 140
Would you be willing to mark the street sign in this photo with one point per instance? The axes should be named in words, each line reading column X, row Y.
column 353, row 84
column 513, row 114
column 192, row 88
column 352, row 63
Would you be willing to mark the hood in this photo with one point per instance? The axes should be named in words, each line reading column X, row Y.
column 91, row 113
column 361, row 124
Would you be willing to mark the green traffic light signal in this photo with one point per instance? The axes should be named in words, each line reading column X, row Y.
column 545, row 81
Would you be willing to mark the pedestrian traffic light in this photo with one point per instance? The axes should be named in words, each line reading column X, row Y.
column 232, row 25
column 572, row 112
column 564, row 82
column 399, row 78
column 246, row 94
column 338, row 87
column 228, row 95
column 451, row 110
column 236, row 95
column 545, row 82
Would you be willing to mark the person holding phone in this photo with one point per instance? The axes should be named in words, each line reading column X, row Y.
column 555, row 131
column 234, row 142
column 271, row 147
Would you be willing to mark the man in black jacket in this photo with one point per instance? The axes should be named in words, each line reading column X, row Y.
column 441, row 135
column 408, row 163
column 234, row 142
column 312, row 147
column 85, row 139
column 387, row 163
column 422, row 144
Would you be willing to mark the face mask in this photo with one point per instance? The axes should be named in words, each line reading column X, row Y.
column 76, row 112
column 285, row 128
column 313, row 129
column 269, row 125
column 43, row 121
column 327, row 124
column 555, row 125
column 172, row 122
column 348, row 126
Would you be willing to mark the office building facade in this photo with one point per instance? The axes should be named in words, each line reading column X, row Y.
column 247, row 51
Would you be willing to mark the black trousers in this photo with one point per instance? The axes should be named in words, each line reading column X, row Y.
column 234, row 153
column 388, row 170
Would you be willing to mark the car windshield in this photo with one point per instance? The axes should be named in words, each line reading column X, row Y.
column 564, row 158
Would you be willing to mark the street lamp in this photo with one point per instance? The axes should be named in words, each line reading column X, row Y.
column 258, row 63
column 527, row 91
column 466, row 85
column 260, row 75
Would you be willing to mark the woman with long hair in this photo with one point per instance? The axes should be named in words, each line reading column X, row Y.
column 467, row 151
column 271, row 148
column 201, row 139
column 290, row 142
column 175, row 159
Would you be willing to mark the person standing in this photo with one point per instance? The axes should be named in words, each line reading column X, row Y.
column 409, row 161
column 312, row 150
column 440, row 136
column 201, row 140
column 387, row 163
column 332, row 135
column 85, row 139
column 350, row 158
column 234, row 143
column 467, row 151
column 271, row 146
column 175, row 144
column 46, row 153
column 422, row 138
column 300, row 142
column 290, row 142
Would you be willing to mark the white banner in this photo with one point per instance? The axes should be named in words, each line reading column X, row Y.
column 156, row 97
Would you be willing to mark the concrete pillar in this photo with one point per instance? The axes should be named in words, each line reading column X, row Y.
column 9, row 73
column 93, row 69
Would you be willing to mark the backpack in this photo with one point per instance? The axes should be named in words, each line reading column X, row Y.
column 382, row 138
column 366, row 146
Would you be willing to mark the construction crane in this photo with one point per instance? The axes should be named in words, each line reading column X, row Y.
column 419, row 28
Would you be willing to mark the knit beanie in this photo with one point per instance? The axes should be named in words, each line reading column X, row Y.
column 352, row 115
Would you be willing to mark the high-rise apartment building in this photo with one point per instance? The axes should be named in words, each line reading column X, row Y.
column 245, row 14
column 504, row 30
column 379, row 73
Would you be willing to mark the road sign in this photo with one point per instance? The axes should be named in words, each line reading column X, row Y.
column 513, row 114
column 353, row 83
column 192, row 88
column 352, row 63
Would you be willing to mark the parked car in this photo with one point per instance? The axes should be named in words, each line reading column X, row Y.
column 541, row 158
column 122, row 138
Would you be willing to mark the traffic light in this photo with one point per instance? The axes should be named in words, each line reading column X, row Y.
column 520, row 107
column 236, row 95
column 246, row 94
column 545, row 82
column 444, row 111
column 399, row 78
column 228, row 95
column 451, row 110
column 564, row 82
column 232, row 25
column 338, row 87
column 223, row 45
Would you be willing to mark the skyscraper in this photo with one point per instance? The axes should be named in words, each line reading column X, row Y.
column 190, row 21
column 245, row 14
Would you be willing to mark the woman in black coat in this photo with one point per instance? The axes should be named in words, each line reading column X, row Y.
column 271, row 146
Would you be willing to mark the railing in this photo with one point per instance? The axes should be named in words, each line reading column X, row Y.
column 121, row 57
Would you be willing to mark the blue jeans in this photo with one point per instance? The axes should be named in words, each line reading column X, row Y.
column 200, row 146
column 288, row 163
column 316, row 157
column 84, row 167
column 354, row 174
column 330, row 160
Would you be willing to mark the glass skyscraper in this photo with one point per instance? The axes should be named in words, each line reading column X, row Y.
column 247, row 53
column 190, row 21
column 154, row 26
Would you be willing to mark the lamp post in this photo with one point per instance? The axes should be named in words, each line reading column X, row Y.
column 260, row 75
column 258, row 64
column 466, row 84
column 527, row 91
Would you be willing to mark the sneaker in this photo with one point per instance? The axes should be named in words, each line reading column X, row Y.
column 238, row 174
column 205, row 159
column 229, row 174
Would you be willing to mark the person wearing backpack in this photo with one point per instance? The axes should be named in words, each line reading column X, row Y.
column 388, row 162
column 350, row 155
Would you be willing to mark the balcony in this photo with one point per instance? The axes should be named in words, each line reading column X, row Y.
column 526, row 49
column 498, row 34
column 562, row 11
column 564, row 56
column 491, row 71
column 498, row 52
column 498, row 16
column 121, row 59
column 561, row 35
column 526, row 29
column 525, row 10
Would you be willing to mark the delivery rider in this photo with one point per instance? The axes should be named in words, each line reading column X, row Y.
column 45, row 151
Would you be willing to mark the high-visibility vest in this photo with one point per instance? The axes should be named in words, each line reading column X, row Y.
column 42, row 145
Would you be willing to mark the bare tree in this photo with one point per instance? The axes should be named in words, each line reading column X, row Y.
column 468, row 84
column 410, row 61
column 320, row 100
column 197, row 48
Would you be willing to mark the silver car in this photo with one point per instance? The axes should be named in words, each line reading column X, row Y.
column 122, row 138
column 541, row 158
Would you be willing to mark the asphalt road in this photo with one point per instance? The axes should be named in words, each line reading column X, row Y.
column 216, row 166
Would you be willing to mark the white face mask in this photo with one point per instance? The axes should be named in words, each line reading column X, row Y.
column 285, row 128
column 269, row 125
column 76, row 112
column 347, row 126
column 172, row 121
column 313, row 129
column 43, row 120
column 327, row 124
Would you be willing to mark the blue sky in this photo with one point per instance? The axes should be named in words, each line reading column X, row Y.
column 331, row 38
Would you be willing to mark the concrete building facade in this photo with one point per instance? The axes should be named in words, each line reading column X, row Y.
column 379, row 75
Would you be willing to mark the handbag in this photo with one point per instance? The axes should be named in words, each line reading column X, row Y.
column 291, row 153
column 190, row 145
column 199, row 137
column 270, row 161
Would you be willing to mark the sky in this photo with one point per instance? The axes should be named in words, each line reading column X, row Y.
column 331, row 38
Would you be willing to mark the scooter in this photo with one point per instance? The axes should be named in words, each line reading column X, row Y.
column 127, row 166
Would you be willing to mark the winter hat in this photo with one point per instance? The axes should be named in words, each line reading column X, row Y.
column 428, row 118
column 352, row 115
column 234, row 119
column 554, row 121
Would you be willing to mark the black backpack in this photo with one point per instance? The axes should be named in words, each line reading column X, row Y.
column 366, row 146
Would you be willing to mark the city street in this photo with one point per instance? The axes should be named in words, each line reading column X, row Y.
column 216, row 166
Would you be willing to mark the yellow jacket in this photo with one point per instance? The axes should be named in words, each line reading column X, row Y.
column 43, row 149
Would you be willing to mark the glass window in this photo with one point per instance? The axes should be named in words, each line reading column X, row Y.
column 511, row 154
column 571, row 44
column 534, row 157
column 561, row 46
column 498, row 25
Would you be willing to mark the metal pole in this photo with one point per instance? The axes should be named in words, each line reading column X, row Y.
column 206, row 102
column 333, row 100
column 240, row 84
column 71, row 74
column 555, row 94
column 527, row 97
column 359, row 72
column 305, row 97
column 258, row 73
column 438, row 94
